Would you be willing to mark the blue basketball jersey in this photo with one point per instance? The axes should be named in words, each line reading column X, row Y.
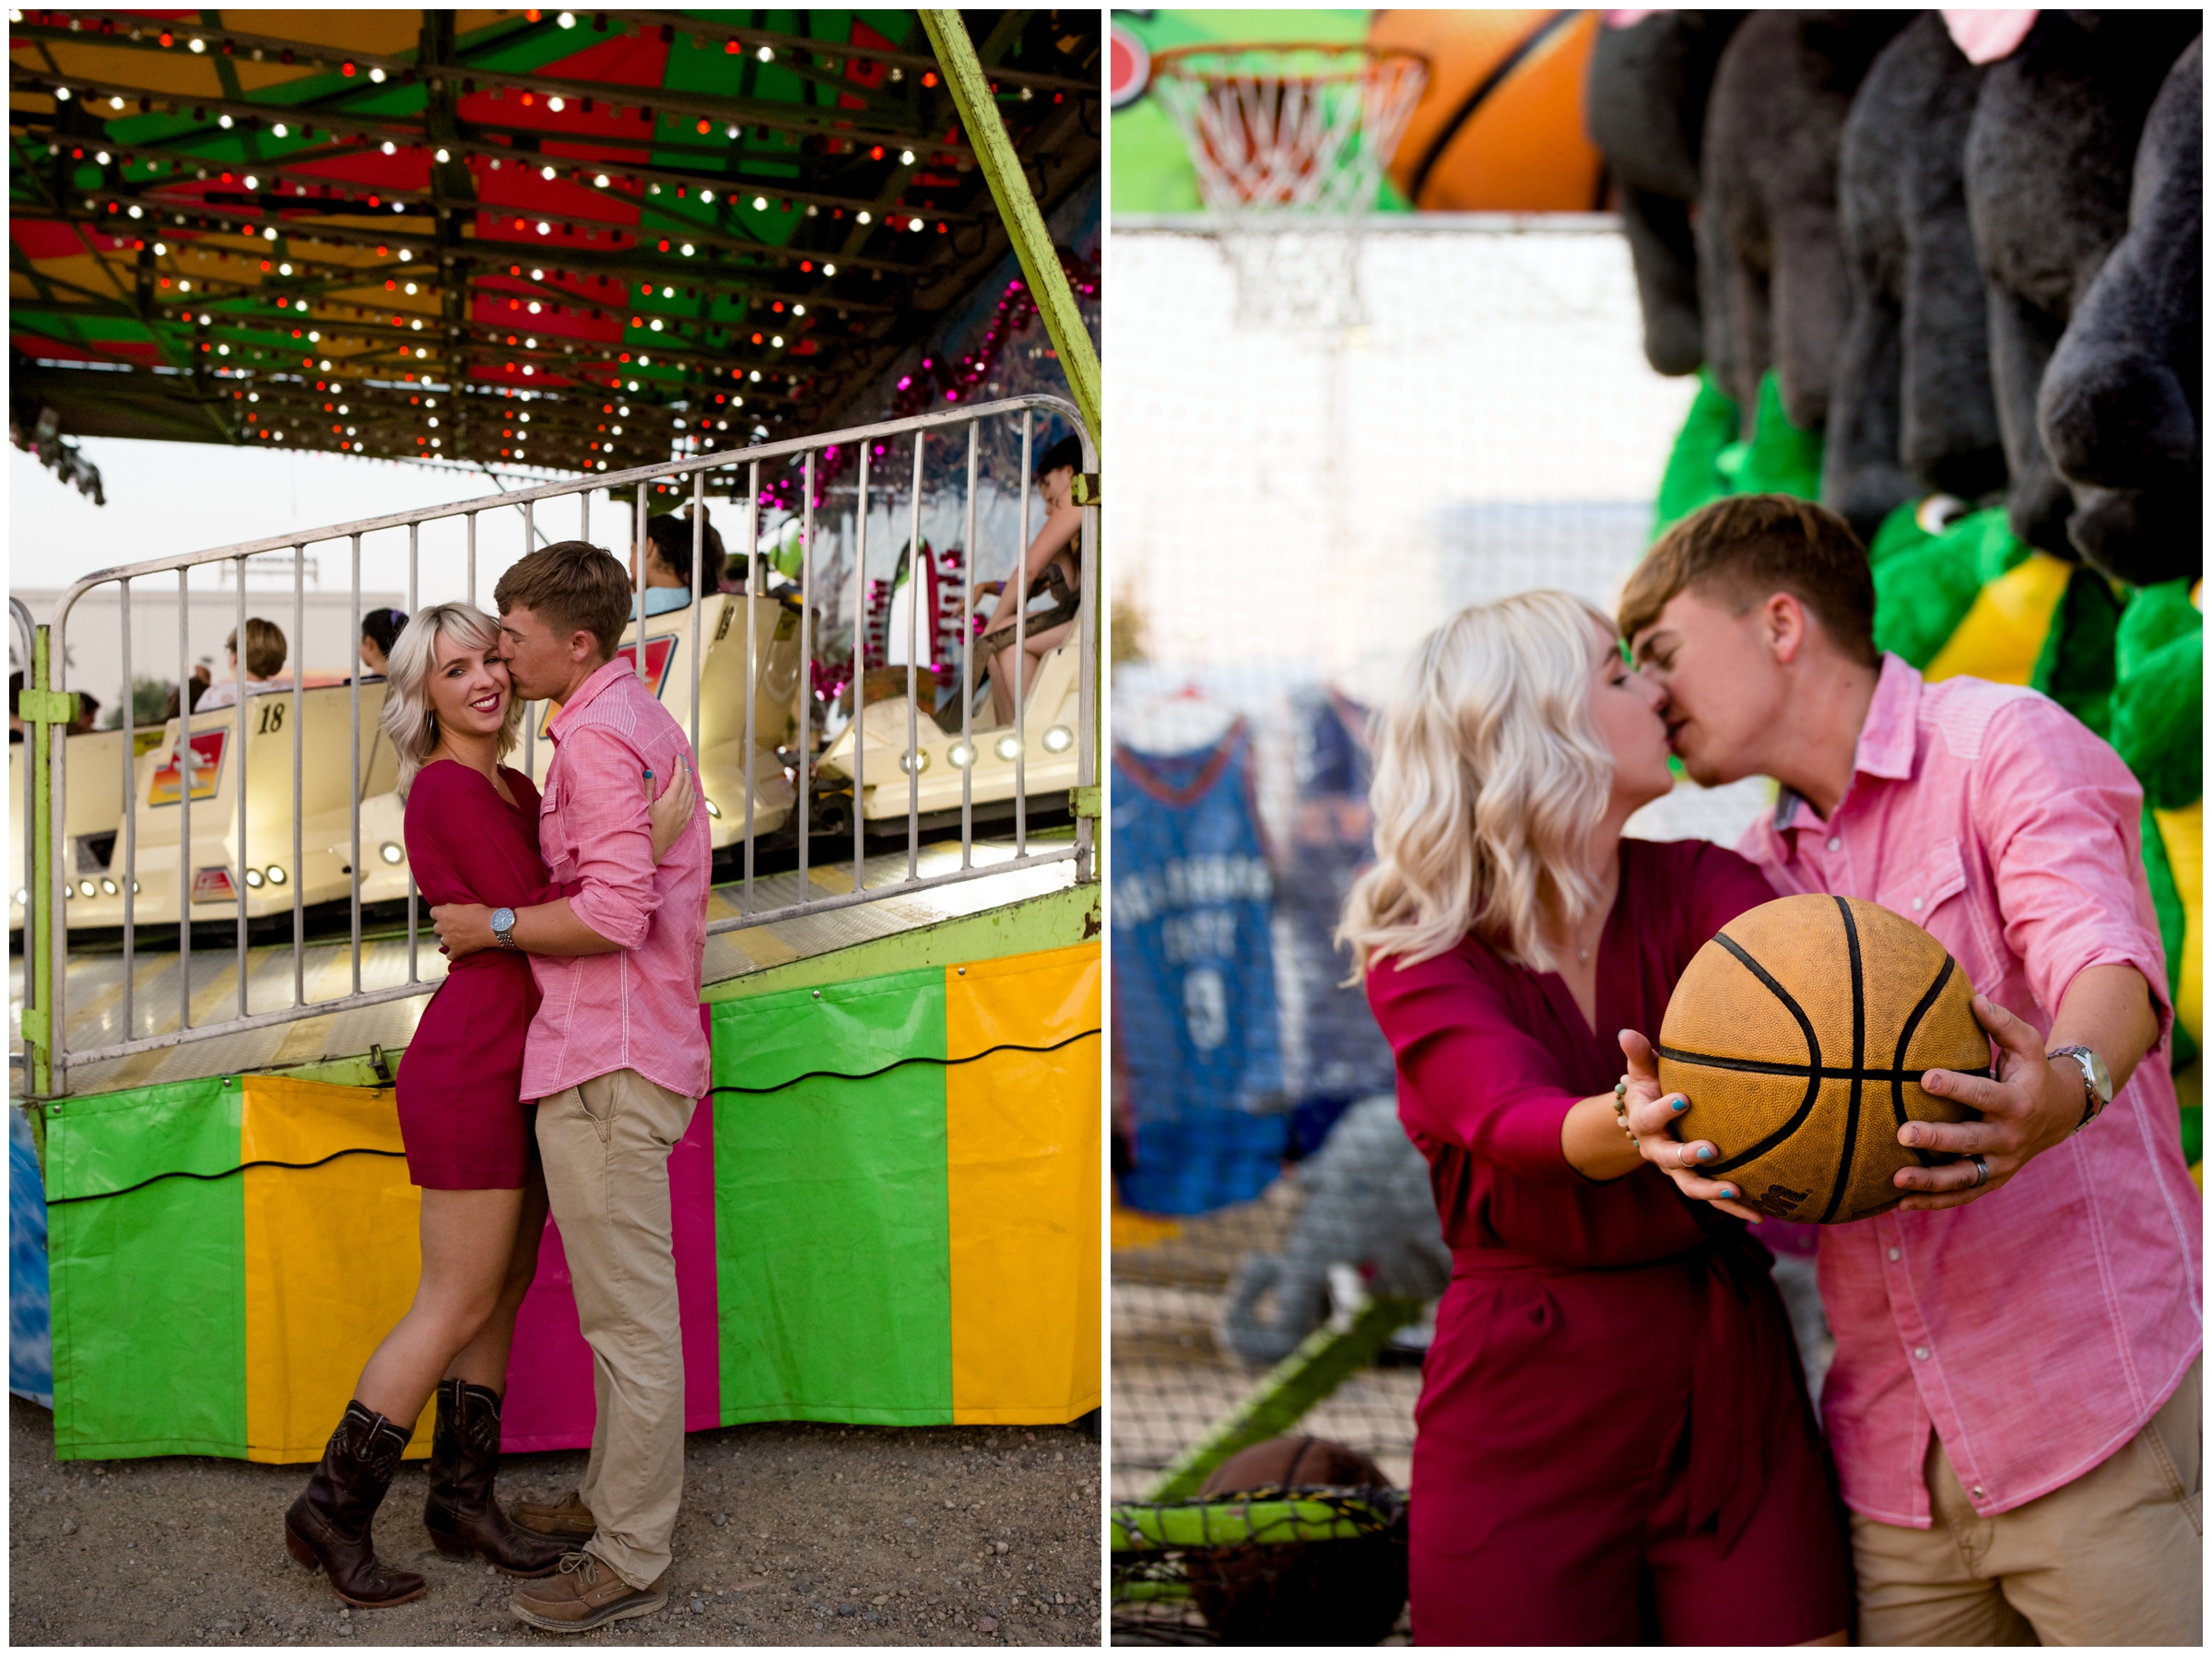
column 1198, row 1062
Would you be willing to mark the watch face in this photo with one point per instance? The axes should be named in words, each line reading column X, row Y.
column 2099, row 1077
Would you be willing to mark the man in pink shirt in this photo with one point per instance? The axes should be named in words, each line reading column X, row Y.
column 615, row 1058
column 2014, row 1405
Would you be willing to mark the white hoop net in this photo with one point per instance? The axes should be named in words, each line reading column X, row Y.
column 1290, row 142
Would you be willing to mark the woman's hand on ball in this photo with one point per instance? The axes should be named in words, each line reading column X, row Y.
column 2027, row 1108
column 1654, row 1114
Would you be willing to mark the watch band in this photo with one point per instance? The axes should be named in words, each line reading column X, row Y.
column 2095, row 1092
column 504, row 933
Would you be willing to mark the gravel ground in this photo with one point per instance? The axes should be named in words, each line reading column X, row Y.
column 790, row 1534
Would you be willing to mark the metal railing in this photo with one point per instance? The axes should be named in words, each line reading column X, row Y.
column 26, row 633
column 46, row 921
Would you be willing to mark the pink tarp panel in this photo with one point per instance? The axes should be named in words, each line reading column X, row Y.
column 549, row 1374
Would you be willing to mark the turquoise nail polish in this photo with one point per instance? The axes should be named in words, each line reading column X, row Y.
column 1728, row 1192
column 1679, row 1104
column 1704, row 1152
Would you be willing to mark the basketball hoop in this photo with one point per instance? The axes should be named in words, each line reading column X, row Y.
column 1290, row 142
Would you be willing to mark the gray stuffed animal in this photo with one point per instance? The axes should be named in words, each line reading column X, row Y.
column 1367, row 1204
column 1912, row 411
column 1770, row 236
column 2122, row 406
column 1645, row 98
column 2049, row 156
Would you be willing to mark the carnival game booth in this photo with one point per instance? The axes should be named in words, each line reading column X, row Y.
column 902, row 1133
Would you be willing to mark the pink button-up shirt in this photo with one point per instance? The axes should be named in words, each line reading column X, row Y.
column 2037, row 1329
column 636, row 1009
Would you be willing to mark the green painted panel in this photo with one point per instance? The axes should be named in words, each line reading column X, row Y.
column 149, row 1324
column 832, row 1235
column 103, row 1141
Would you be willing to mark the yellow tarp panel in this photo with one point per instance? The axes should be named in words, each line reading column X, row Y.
column 332, row 1257
column 1022, row 1145
column 2002, row 633
column 2183, row 831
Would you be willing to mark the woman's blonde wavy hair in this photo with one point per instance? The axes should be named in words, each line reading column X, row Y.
column 1492, row 779
column 408, row 717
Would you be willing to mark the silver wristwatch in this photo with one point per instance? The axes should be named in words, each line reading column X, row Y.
column 502, row 927
column 2096, row 1081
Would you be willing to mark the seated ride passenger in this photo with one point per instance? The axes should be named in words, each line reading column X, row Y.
column 380, row 631
column 266, row 651
column 668, row 561
column 1052, row 568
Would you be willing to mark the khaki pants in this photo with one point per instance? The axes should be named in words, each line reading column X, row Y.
column 2115, row 1558
column 605, row 1145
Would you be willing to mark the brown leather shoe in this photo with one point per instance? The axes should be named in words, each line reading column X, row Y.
column 584, row 1594
column 567, row 1518
column 327, row 1527
column 461, row 1514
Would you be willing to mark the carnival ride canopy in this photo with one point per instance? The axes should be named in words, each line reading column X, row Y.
column 581, row 240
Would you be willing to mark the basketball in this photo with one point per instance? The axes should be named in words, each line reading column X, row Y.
column 1500, row 127
column 1799, row 1034
column 1318, row 1592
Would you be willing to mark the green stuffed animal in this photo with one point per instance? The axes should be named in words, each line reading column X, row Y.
column 1966, row 596
column 2158, row 728
column 1709, row 461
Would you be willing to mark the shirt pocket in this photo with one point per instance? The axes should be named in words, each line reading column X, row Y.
column 1938, row 878
column 552, row 837
column 1937, row 897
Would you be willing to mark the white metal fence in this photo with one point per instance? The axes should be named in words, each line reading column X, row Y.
column 98, row 879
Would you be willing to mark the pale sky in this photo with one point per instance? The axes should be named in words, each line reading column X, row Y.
column 169, row 497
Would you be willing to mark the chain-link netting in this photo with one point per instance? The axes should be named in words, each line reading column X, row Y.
column 1296, row 509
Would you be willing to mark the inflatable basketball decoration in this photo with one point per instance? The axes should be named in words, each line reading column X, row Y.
column 1500, row 127
column 1799, row 1034
column 1321, row 1593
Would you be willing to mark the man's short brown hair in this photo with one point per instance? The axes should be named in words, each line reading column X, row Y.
column 265, row 648
column 571, row 586
column 1743, row 549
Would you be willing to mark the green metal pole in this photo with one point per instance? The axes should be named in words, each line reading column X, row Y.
column 1324, row 1361
column 978, row 107
column 971, row 95
column 43, row 710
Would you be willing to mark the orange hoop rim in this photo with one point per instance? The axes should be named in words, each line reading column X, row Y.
column 1173, row 61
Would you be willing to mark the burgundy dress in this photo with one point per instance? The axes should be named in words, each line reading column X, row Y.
column 461, row 1113
column 1614, row 1443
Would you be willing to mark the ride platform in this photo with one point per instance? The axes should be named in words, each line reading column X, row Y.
column 346, row 1034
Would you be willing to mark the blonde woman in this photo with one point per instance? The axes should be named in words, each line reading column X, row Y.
column 472, row 837
column 1614, row 1442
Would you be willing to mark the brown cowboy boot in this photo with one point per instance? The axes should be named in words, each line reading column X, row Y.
column 461, row 1514
column 327, row 1527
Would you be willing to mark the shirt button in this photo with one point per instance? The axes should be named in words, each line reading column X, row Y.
column 1835, row 844
column 1896, row 1254
column 1978, row 1492
column 1917, row 904
column 1921, row 1352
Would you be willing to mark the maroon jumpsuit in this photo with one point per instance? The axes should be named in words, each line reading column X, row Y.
column 1614, row 1443
column 461, row 1113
